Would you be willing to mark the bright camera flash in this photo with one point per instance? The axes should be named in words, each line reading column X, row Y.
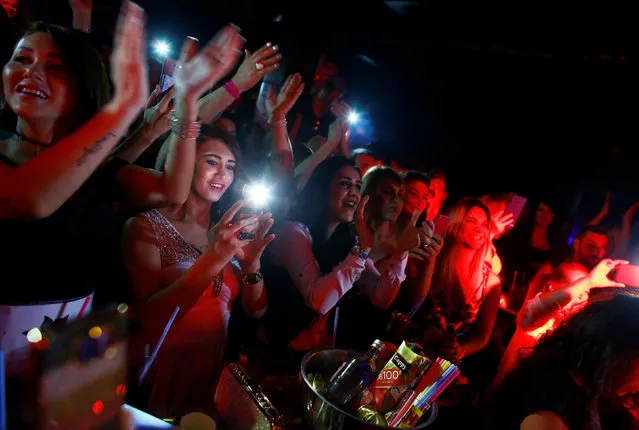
column 353, row 117
column 257, row 195
column 162, row 48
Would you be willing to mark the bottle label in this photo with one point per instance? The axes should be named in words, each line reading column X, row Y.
column 366, row 374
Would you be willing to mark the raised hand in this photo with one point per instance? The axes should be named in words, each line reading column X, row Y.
column 249, row 256
column 277, row 106
column 598, row 277
column 364, row 232
column 224, row 237
column 128, row 60
column 255, row 66
column 501, row 223
column 195, row 74
column 157, row 114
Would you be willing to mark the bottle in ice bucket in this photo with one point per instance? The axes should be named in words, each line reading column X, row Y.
column 355, row 375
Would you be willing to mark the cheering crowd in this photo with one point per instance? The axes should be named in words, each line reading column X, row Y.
column 342, row 249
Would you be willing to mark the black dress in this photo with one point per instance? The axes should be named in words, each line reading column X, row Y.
column 67, row 255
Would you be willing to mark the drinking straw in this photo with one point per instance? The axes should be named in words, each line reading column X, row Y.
column 63, row 307
column 438, row 386
column 443, row 386
column 151, row 359
column 435, row 371
column 84, row 307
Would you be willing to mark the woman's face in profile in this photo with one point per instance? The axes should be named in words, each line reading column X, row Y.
column 214, row 170
column 37, row 83
column 345, row 194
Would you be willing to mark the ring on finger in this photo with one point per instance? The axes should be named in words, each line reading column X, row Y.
column 259, row 66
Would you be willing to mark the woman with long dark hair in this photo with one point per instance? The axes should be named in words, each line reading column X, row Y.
column 317, row 258
column 173, row 260
column 590, row 361
column 57, row 193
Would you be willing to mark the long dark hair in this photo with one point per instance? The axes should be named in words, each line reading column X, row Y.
column 312, row 209
column 87, row 73
column 594, row 346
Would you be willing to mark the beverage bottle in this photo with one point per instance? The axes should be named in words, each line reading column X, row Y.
column 354, row 376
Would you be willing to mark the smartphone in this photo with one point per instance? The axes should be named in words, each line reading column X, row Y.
column 166, row 78
column 81, row 374
column 256, row 198
column 628, row 275
column 516, row 206
column 441, row 224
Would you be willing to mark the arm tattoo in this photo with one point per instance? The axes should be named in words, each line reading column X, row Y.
column 94, row 149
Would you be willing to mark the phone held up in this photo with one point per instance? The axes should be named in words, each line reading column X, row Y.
column 78, row 375
column 441, row 224
column 516, row 207
column 256, row 198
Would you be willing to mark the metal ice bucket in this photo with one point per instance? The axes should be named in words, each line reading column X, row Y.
column 317, row 408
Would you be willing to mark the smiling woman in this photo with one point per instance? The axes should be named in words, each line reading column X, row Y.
column 175, row 258
column 58, row 188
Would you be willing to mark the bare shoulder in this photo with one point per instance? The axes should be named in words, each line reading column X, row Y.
column 494, row 282
column 138, row 228
column 543, row 420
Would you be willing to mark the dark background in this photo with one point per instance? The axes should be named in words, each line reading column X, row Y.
column 536, row 98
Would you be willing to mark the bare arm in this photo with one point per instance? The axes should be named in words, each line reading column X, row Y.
column 603, row 213
column 81, row 14
column 305, row 169
column 142, row 260
column 39, row 187
column 156, row 121
column 480, row 332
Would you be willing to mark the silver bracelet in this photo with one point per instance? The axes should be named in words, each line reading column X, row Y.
column 185, row 129
column 279, row 123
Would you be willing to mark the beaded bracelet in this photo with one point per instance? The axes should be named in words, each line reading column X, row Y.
column 277, row 123
column 185, row 129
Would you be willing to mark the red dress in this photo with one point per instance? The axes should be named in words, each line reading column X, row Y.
column 189, row 363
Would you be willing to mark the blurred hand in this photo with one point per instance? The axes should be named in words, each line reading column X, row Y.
column 598, row 277
column 410, row 237
column 277, row 106
column 501, row 223
column 428, row 252
column 249, row 255
column 128, row 60
column 248, row 74
column 157, row 114
column 195, row 74
column 224, row 241
column 364, row 233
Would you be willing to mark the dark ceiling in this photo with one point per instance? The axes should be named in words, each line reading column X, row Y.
column 527, row 94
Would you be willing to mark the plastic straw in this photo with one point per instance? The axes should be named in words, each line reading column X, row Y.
column 151, row 359
column 436, row 369
column 438, row 386
column 443, row 386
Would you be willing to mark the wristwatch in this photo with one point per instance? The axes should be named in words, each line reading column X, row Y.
column 252, row 278
column 356, row 250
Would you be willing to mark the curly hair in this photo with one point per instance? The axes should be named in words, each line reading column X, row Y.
column 583, row 356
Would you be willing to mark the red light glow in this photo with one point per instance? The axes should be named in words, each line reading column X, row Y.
column 121, row 390
column 98, row 407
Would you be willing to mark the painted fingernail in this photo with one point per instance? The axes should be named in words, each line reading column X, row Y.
column 275, row 47
column 268, row 43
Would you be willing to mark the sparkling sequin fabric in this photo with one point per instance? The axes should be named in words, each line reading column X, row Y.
column 173, row 247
